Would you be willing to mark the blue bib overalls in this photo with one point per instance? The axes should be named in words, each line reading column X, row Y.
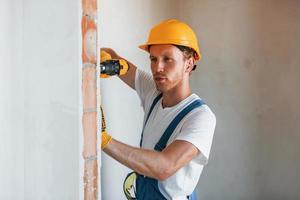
column 146, row 187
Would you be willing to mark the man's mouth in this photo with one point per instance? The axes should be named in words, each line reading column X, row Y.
column 160, row 78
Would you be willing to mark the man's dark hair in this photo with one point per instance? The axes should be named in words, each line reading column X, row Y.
column 187, row 52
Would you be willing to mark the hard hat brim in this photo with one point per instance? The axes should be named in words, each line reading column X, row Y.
column 145, row 47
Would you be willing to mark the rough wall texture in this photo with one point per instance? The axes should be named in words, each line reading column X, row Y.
column 89, row 96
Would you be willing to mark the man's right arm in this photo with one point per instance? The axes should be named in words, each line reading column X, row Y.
column 129, row 77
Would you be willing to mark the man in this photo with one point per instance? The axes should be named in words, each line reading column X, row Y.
column 170, row 170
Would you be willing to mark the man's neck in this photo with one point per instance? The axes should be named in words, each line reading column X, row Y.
column 176, row 95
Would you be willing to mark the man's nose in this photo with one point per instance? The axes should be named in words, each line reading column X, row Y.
column 159, row 66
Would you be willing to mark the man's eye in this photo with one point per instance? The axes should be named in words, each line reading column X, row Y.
column 152, row 59
column 167, row 59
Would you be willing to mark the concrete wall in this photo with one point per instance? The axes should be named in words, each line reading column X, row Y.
column 39, row 118
column 250, row 76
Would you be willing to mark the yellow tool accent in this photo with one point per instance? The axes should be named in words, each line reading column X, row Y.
column 174, row 32
column 129, row 186
column 124, row 68
column 106, row 138
column 103, row 124
column 110, row 67
column 104, row 76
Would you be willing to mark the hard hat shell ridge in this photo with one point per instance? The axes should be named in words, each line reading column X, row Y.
column 175, row 32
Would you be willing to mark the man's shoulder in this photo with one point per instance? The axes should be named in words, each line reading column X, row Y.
column 202, row 112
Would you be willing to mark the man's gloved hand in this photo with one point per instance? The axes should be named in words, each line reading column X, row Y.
column 111, row 64
column 104, row 56
column 110, row 52
column 106, row 138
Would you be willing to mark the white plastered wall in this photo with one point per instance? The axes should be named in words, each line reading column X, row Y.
column 11, row 108
column 39, row 101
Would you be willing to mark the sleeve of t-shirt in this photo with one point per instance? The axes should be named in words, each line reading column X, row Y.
column 198, row 129
column 144, row 86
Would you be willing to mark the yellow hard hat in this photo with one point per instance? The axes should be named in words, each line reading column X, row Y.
column 175, row 32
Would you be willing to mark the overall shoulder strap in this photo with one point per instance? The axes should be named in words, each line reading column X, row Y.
column 150, row 111
column 161, row 144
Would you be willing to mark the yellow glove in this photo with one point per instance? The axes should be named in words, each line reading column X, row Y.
column 104, row 56
column 106, row 138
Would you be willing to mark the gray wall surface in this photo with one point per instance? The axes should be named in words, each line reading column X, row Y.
column 250, row 76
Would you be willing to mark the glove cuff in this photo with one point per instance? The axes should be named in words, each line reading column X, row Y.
column 106, row 138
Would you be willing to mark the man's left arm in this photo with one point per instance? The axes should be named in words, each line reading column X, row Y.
column 158, row 165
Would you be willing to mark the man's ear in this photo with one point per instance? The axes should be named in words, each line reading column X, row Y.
column 190, row 62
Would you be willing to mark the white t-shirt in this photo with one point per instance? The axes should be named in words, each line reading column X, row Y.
column 197, row 127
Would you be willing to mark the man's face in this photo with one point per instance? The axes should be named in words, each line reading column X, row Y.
column 168, row 66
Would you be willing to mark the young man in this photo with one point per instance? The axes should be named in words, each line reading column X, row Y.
column 169, row 169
